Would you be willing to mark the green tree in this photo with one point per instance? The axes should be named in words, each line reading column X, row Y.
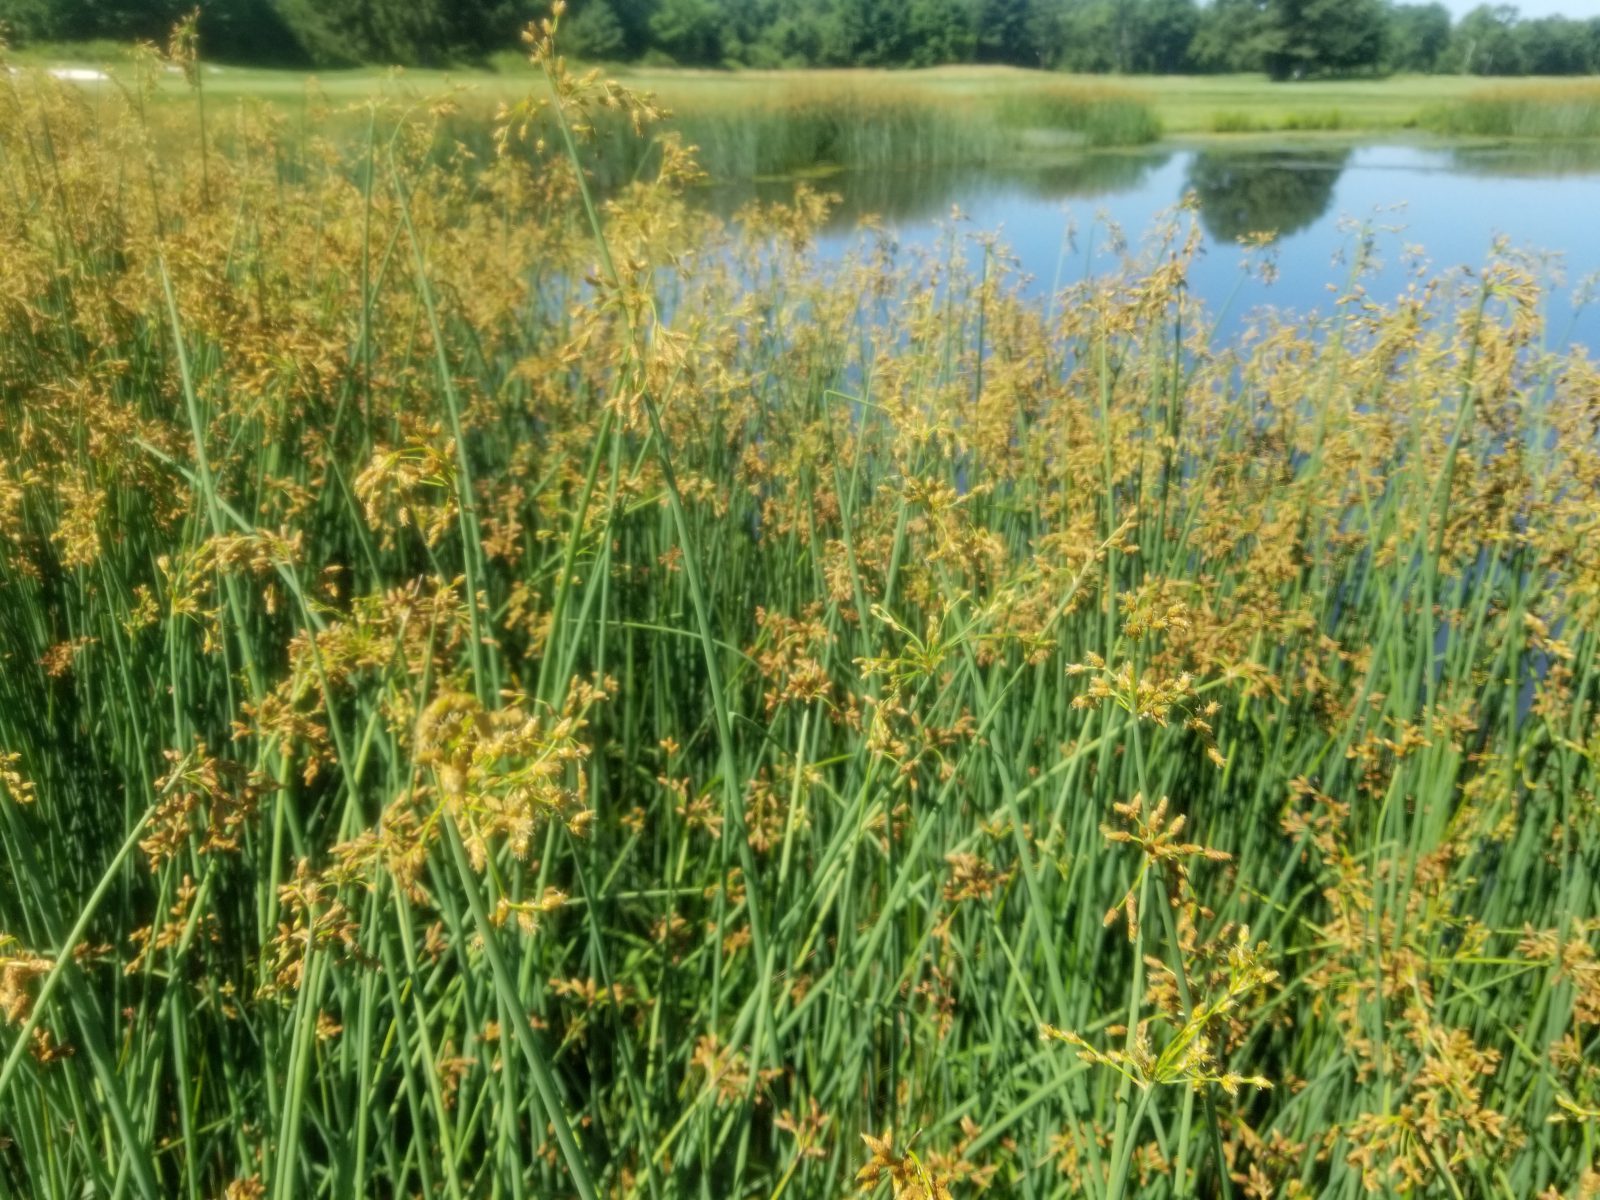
column 1046, row 33
column 33, row 20
column 940, row 31
column 1090, row 36
column 1419, row 36
column 232, row 30
column 74, row 20
column 1485, row 42
column 791, row 33
column 1160, row 33
column 1003, row 32
column 634, row 17
column 689, row 30
column 1318, row 37
column 1553, row 46
column 592, row 31
column 881, row 33
column 421, row 32
column 1228, row 36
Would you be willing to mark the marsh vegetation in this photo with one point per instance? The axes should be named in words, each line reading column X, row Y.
column 508, row 693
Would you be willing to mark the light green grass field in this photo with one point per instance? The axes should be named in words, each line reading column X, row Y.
column 1185, row 105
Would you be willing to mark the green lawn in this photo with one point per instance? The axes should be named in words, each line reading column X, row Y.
column 1200, row 104
column 1186, row 106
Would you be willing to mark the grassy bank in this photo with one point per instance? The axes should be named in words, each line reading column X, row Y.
column 1566, row 112
column 487, row 710
column 804, row 124
column 748, row 124
column 1200, row 105
column 1184, row 106
column 744, row 125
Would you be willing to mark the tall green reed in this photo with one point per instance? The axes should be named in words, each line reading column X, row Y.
column 1553, row 112
column 481, row 728
column 800, row 129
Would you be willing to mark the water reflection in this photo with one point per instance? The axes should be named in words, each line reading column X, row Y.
column 1264, row 191
column 927, row 193
column 1524, row 160
column 1455, row 202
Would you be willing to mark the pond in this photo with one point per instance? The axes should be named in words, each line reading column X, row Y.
column 1452, row 202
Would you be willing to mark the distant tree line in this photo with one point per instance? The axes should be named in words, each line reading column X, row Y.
column 290, row 32
column 1285, row 38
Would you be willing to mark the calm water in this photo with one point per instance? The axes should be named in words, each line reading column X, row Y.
column 1451, row 202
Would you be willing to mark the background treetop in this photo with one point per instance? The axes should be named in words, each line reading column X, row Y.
column 1285, row 38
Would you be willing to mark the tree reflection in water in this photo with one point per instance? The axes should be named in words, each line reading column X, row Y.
column 916, row 194
column 1263, row 191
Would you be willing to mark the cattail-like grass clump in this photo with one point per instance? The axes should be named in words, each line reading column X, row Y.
column 847, row 120
column 1557, row 111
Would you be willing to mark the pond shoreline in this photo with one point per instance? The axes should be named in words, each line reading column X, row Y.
column 1261, row 140
column 1320, row 196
